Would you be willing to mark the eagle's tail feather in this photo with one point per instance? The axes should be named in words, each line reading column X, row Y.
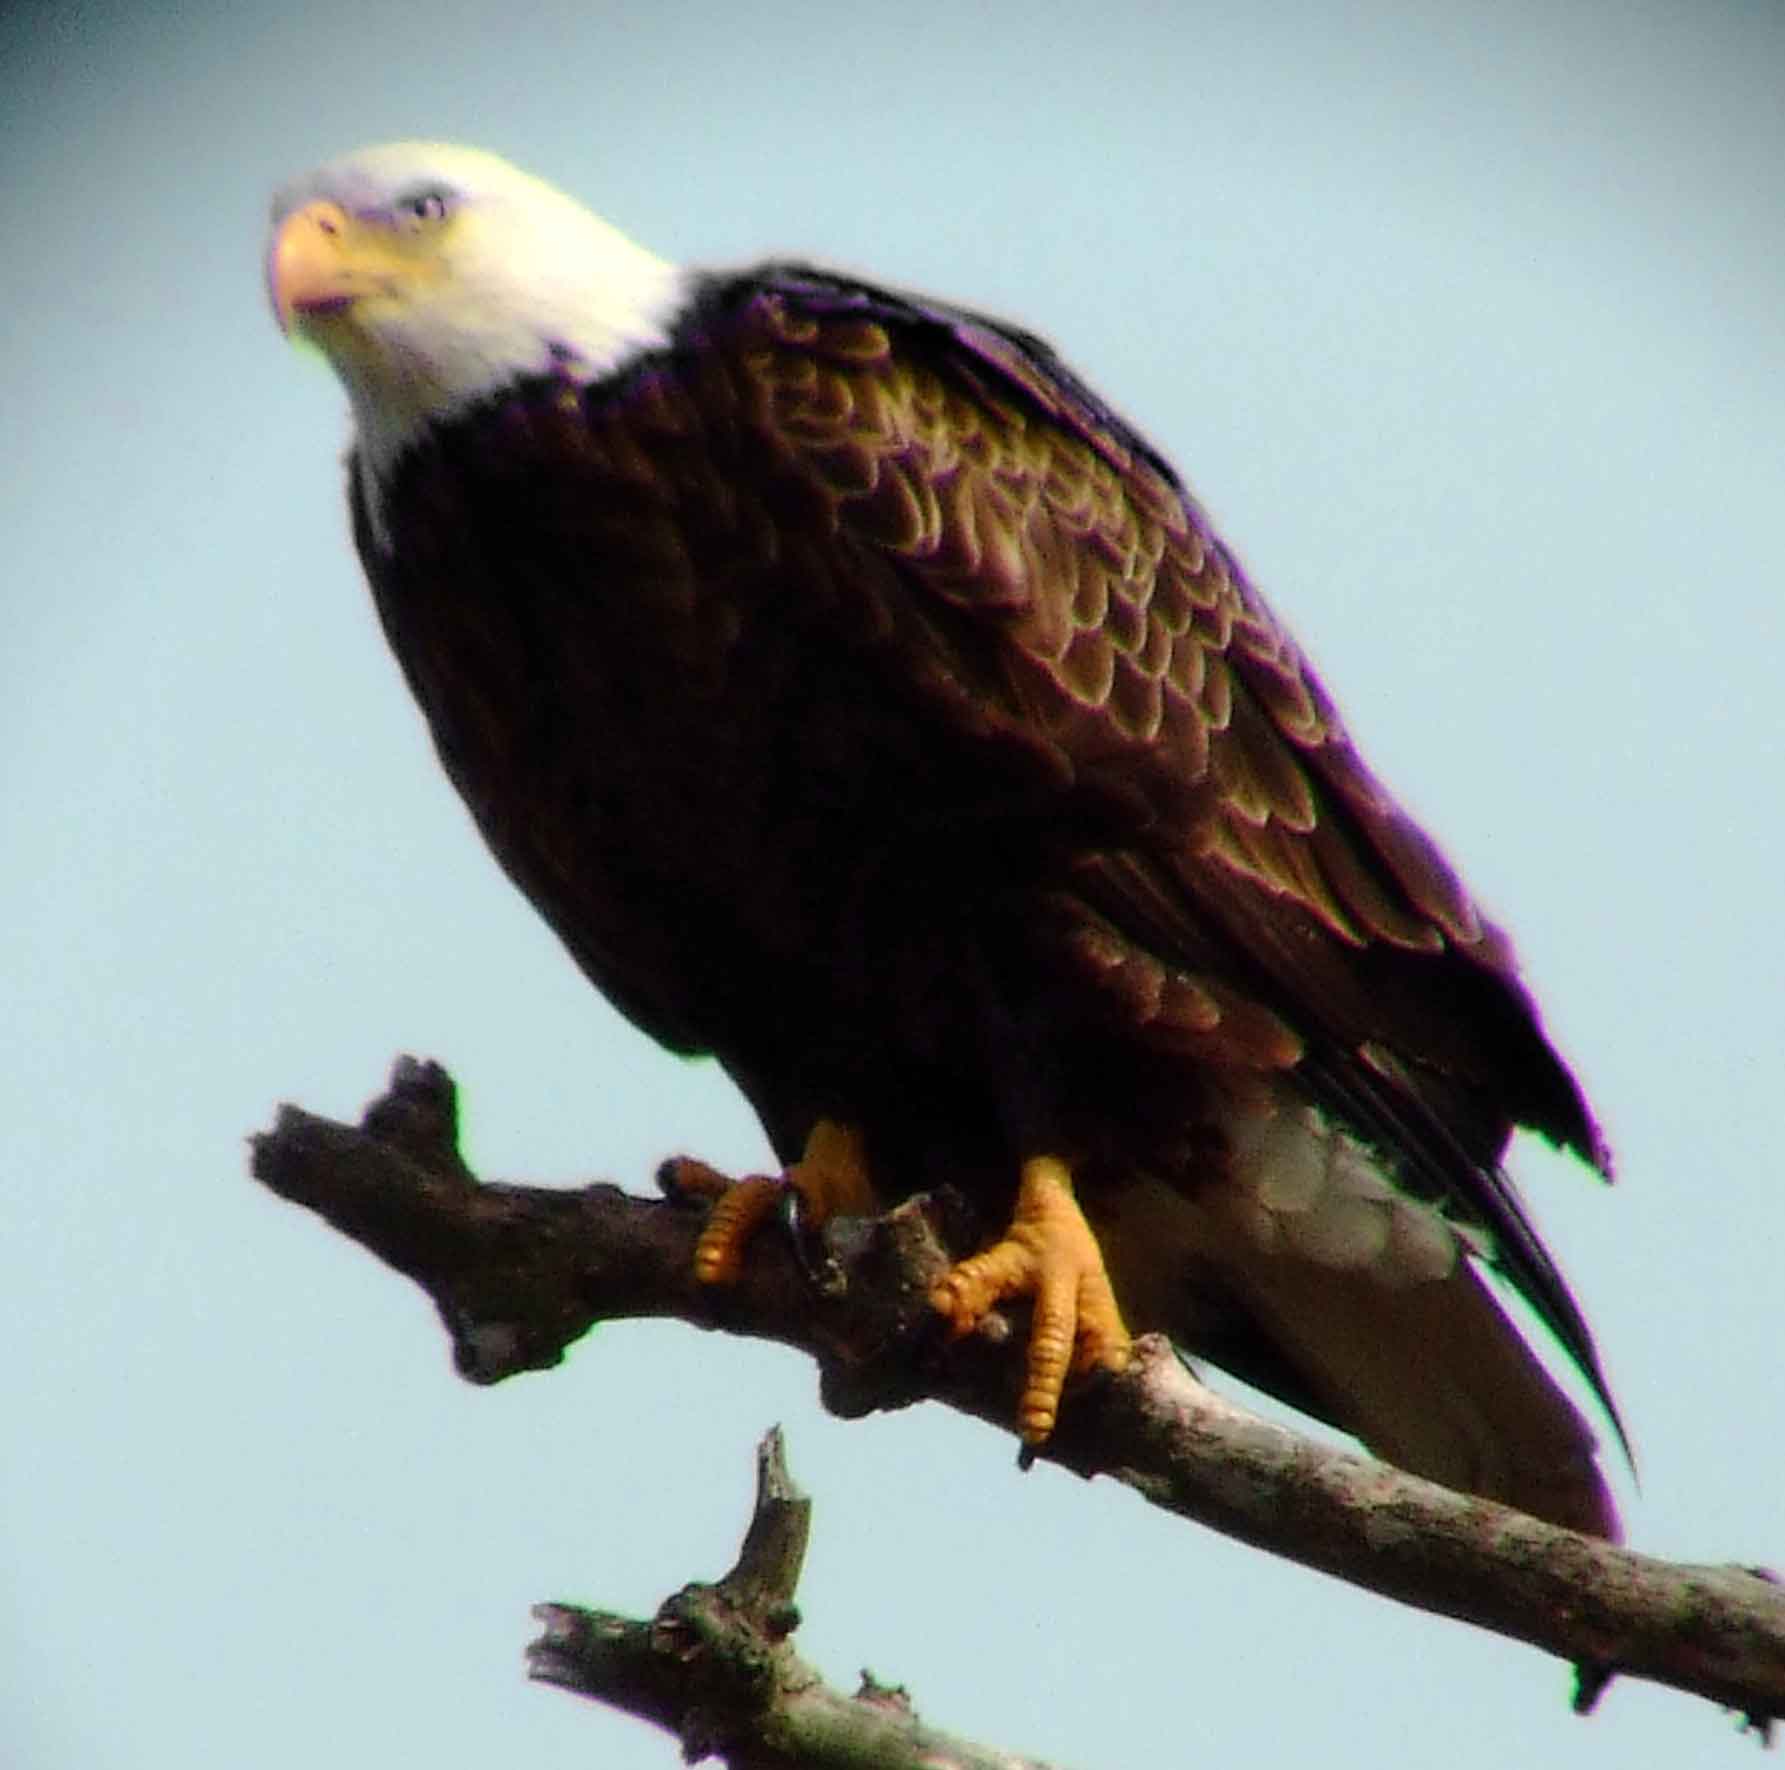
column 1434, row 1377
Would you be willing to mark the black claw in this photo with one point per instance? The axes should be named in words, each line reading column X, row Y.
column 806, row 1239
column 676, row 1190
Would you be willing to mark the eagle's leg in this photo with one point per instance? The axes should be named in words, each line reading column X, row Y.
column 1050, row 1254
column 831, row 1178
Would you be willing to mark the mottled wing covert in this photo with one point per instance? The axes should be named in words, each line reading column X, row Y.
column 1136, row 644
column 1269, row 893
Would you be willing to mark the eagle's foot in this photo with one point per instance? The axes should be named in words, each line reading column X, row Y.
column 829, row 1180
column 1049, row 1254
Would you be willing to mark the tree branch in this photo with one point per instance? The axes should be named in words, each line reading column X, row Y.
column 715, row 1667
column 519, row 1272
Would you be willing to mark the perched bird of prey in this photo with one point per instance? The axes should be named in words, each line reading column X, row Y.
column 865, row 703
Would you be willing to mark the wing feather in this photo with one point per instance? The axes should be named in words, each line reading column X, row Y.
column 1269, row 881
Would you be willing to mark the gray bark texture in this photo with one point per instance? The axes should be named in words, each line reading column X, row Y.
column 518, row 1273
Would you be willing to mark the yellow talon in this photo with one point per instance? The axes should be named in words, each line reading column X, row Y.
column 831, row 1178
column 1050, row 1254
column 719, row 1254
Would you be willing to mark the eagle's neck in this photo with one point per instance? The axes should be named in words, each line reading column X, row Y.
column 508, row 311
column 571, row 328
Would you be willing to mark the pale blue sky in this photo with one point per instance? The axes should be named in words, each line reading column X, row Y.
column 1466, row 322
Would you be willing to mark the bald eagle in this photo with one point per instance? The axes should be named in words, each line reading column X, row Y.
column 863, row 702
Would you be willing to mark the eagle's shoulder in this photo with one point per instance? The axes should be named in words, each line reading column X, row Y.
column 842, row 316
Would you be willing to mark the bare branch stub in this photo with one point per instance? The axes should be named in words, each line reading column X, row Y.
column 715, row 1666
column 774, row 1552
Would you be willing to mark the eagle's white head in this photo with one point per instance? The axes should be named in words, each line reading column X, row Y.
column 433, row 276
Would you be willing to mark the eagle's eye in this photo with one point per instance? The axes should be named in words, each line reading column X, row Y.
column 423, row 207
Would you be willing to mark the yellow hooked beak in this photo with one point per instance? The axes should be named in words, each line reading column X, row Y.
column 323, row 261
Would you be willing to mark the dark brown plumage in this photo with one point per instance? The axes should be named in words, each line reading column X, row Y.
column 861, row 701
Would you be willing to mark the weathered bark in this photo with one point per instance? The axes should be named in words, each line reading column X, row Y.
column 519, row 1272
column 715, row 1666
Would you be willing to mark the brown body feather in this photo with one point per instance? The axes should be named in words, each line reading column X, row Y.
column 863, row 703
